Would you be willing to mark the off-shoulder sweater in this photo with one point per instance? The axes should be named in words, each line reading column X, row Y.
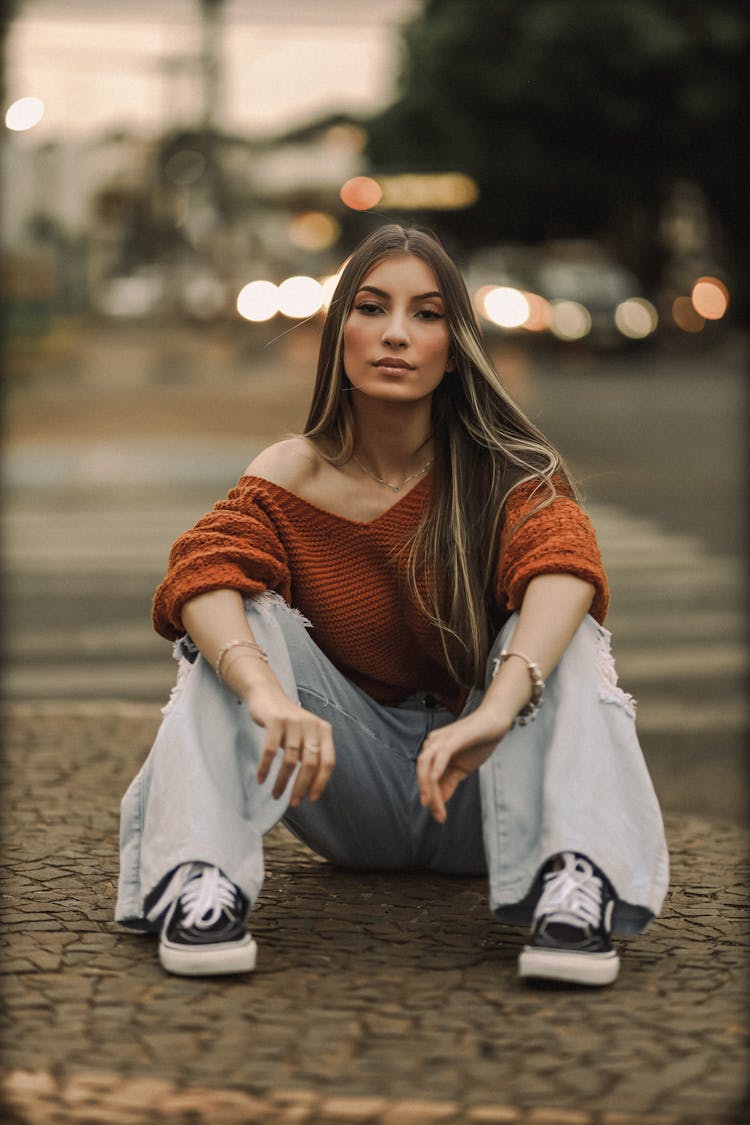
column 348, row 577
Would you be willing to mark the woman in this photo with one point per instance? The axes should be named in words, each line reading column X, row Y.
column 365, row 627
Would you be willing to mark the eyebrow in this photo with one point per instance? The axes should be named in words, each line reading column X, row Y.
column 382, row 293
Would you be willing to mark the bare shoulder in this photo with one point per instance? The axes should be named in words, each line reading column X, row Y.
column 291, row 463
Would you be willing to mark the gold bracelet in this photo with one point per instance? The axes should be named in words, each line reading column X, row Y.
column 238, row 644
column 529, row 712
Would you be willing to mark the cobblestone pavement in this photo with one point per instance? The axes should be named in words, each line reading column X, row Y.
column 384, row 999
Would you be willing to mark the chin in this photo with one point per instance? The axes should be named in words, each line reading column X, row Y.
column 392, row 394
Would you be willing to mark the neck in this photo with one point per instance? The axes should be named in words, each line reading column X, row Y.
column 392, row 439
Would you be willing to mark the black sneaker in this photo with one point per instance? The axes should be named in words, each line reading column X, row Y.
column 203, row 932
column 571, row 927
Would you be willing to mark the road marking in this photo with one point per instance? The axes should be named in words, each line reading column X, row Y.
column 678, row 632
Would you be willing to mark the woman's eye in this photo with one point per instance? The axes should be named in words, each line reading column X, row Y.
column 430, row 314
column 369, row 308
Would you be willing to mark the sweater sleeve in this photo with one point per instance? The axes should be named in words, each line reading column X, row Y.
column 236, row 546
column 558, row 539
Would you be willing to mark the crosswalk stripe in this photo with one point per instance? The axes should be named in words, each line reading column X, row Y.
column 678, row 630
column 153, row 681
column 97, row 537
column 637, row 626
column 680, row 662
column 708, row 717
column 141, row 679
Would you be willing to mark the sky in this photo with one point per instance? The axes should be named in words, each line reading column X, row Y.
column 133, row 64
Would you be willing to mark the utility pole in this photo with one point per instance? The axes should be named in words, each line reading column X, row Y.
column 211, row 67
column 8, row 12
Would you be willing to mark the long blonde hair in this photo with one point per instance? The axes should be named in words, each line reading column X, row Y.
column 484, row 445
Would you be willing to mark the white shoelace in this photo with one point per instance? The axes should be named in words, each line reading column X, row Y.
column 202, row 890
column 204, row 898
column 572, row 895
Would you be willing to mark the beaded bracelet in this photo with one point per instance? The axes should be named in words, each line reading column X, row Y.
column 238, row 644
column 529, row 712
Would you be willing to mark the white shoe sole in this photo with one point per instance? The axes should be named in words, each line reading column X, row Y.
column 208, row 960
column 573, row 968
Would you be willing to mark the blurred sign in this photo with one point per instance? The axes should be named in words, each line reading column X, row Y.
column 411, row 191
column 428, row 191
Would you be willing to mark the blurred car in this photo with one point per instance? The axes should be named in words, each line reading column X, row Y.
column 571, row 290
column 130, row 296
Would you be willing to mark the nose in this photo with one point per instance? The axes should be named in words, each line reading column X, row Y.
column 395, row 330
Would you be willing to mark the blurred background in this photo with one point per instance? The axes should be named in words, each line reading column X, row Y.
column 181, row 183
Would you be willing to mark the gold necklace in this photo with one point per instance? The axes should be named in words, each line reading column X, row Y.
column 394, row 487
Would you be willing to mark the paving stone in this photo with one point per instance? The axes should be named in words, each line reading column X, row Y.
column 89, row 1086
column 378, row 1023
column 640, row 1119
column 111, row 1114
column 293, row 1096
column 542, row 1116
column 294, row 1115
column 25, row 1083
column 215, row 1107
column 350, row 1110
column 492, row 1115
column 407, row 992
column 415, row 1111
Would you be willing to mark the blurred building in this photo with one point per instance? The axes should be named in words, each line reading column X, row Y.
column 180, row 222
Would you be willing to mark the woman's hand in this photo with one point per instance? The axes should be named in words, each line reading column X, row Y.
column 553, row 608
column 450, row 754
column 298, row 735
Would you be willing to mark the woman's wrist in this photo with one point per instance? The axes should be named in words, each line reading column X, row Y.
column 509, row 692
column 536, row 692
column 502, row 709
column 229, row 650
column 245, row 673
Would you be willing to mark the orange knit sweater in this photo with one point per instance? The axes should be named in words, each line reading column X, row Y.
column 345, row 576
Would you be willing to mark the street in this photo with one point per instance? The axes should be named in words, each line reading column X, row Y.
column 186, row 182
column 94, row 497
column 391, row 999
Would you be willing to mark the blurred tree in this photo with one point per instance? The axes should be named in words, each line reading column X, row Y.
column 577, row 117
column 8, row 12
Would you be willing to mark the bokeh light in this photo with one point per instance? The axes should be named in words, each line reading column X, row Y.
column 569, row 320
column 361, row 192
column 506, row 307
column 478, row 298
column 431, row 191
column 710, row 298
column 685, row 315
column 24, row 114
column 328, row 286
column 300, row 296
column 204, row 296
column 313, row 230
column 636, row 318
column 139, row 295
column 258, row 301
column 539, row 318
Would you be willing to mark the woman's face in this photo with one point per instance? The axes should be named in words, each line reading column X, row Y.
column 396, row 340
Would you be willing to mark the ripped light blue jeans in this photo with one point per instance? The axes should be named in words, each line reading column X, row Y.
column 572, row 780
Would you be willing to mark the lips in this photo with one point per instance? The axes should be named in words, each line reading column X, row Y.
column 392, row 362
